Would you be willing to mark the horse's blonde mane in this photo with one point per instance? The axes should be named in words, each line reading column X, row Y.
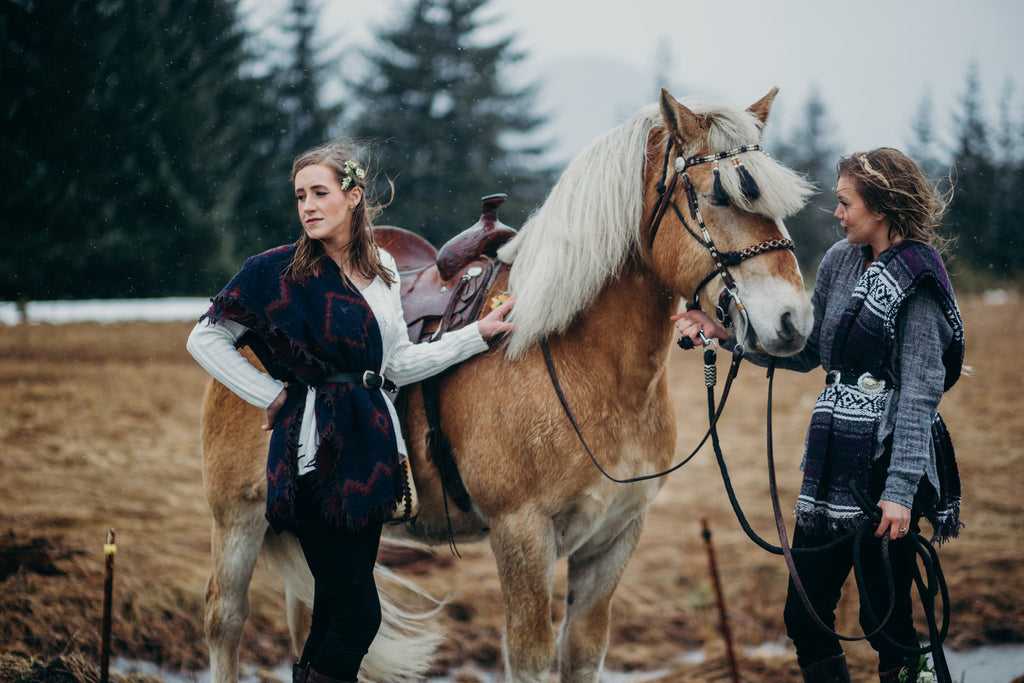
column 582, row 234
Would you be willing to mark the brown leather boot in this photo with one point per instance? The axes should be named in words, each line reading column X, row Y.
column 831, row 670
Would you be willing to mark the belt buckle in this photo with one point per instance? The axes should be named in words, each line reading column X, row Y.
column 371, row 380
column 869, row 384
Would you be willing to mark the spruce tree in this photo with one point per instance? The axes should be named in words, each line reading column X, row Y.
column 443, row 122
column 1008, row 189
column 924, row 145
column 810, row 149
column 970, row 220
column 127, row 124
column 298, row 120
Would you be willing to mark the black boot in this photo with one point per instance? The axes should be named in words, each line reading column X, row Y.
column 831, row 670
column 314, row 677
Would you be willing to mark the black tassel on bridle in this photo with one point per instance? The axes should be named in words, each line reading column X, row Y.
column 721, row 197
column 747, row 183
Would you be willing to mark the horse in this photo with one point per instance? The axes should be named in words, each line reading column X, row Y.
column 597, row 270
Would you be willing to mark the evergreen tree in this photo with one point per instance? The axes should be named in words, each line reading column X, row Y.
column 127, row 126
column 971, row 219
column 447, row 129
column 811, row 150
column 1008, row 204
column 298, row 121
column 924, row 145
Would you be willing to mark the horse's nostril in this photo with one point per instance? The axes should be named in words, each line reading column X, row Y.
column 787, row 330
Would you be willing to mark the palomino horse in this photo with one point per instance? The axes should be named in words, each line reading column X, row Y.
column 597, row 272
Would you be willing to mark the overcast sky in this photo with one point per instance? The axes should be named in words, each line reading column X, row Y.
column 872, row 61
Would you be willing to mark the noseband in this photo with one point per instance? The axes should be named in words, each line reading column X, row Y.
column 730, row 292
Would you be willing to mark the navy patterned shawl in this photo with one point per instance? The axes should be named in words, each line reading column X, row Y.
column 842, row 435
column 304, row 329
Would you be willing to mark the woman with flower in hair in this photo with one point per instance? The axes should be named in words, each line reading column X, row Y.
column 888, row 333
column 324, row 316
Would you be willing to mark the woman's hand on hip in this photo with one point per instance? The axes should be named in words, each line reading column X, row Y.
column 273, row 409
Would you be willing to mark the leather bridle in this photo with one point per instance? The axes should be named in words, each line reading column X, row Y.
column 730, row 290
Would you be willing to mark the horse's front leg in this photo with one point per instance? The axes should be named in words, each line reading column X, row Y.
column 594, row 573
column 524, row 551
column 236, row 543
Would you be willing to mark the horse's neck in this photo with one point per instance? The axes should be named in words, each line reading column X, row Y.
column 627, row 329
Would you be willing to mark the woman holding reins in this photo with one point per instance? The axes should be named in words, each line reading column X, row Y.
column 889, row 334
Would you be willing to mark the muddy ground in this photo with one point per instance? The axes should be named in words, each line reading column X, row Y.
column 99, row 429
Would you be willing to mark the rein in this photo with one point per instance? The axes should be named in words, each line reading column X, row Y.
column 927, row 589
column 710, row 379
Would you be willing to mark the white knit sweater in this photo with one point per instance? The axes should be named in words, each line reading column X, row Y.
column 213, row 347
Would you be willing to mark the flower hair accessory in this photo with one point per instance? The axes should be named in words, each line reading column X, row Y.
column 353, row 172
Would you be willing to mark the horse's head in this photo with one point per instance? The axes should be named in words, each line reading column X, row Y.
column 714, row 204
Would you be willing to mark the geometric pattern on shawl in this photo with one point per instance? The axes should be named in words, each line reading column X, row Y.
column 304, row 329
column 843, row 431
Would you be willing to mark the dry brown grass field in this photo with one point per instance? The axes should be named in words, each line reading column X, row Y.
column 99, row 429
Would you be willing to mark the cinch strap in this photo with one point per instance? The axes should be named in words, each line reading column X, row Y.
column 368, row 378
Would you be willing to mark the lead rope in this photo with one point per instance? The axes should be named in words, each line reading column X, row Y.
column 925, row 550
column 715, row 414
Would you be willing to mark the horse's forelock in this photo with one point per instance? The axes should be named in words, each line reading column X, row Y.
column 783, row 192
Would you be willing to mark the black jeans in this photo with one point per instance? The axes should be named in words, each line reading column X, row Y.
column 346, row 607
column 823, row 575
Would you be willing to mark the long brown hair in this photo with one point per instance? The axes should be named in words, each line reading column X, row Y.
column 362, row 249
column 890, row 183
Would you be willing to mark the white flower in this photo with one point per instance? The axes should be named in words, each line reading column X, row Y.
column 926, row 677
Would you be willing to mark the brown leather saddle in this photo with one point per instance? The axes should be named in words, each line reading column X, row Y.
column 446, row 289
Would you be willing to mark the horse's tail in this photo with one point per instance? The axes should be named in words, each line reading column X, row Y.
column 405, row 646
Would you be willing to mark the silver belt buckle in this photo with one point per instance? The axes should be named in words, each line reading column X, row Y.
column 368, row 376
column 869, row 384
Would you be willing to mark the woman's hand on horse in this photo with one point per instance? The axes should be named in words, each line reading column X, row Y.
column 692, row 323
column 273, row 409
column 494, row 322
column 895, row 520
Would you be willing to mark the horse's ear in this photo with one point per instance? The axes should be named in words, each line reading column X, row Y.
column 763, row 106
column 683, row 125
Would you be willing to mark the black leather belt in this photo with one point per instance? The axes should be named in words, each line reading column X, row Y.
column 866, row 381
column 368, row 378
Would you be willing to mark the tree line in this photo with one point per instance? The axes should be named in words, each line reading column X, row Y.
column 982, row 169
column 146, row 146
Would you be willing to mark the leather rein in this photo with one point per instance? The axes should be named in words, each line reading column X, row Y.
column 730, row 292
